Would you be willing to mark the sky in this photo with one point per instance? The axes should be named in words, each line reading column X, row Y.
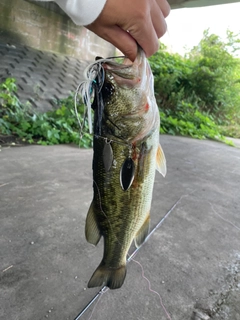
column 186, row 26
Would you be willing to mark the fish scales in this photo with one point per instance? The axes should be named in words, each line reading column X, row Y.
column 130, row 128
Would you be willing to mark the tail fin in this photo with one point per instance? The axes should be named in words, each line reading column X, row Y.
column 110, row 277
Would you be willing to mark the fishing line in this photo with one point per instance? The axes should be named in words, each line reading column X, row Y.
column 94, row 75
column 223, row 218
column 105, row 288
column 151, row 290
column 96, row 304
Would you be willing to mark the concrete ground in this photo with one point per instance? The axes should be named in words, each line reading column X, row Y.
column 192, row 260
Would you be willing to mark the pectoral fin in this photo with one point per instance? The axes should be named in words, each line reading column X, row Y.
column 142, row 232
column 107, row 156
column 161, row 161
column 92, row 231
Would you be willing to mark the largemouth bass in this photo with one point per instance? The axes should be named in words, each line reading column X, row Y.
column 126, row 155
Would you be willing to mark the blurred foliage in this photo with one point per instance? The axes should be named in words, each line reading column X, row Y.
column 52, row 127
column 199, row 93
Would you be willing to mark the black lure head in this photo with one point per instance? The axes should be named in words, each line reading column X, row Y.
column 102, row 90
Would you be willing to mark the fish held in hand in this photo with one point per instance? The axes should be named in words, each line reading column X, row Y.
column 126, row 155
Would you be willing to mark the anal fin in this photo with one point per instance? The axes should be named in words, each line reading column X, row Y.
column 92, row 231
column 142, row 232
column 161, row 161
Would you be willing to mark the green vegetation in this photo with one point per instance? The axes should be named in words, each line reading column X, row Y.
column 52, row 127
column 198, row 95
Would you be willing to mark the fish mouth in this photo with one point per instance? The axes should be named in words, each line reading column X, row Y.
column 125, row 73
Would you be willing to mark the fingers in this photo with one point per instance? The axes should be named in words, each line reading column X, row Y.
column 120, row 39
column 164, row 7
column 158, row 21
column 125, row 43
column 146, row 36
column 125, row 23
column 152, row 27
column 147, row 30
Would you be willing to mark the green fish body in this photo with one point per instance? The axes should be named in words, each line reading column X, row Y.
column 126, row 156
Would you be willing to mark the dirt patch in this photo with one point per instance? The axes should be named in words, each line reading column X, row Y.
column 12, row 141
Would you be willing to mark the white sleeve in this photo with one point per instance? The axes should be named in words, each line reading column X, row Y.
column 82, row 12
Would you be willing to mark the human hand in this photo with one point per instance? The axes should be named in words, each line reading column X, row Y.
column 127, row 23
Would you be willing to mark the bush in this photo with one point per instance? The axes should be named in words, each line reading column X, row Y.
column 200, row 91
column 52, row 127
column 191, row 122
column 216, row 74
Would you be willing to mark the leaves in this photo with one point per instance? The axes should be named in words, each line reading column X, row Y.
column 191, row 123
column 200, row 91
column 53, row 127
